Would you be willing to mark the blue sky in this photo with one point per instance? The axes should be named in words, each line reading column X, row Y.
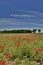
column 16, row 14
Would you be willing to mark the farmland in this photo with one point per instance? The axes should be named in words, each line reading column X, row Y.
column 21, row 49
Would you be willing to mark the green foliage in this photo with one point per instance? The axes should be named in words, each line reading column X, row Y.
column 16, row 31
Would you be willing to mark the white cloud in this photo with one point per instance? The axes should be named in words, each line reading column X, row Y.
column 22, row 15
column 17, row 22
column 34, row 15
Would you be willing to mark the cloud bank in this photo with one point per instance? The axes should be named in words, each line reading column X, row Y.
column 21, row 19
column 27, row 14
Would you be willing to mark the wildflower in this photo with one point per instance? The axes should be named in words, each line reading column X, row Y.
column 37, row 52
column 3, row 63
column 2, row 47
column 5, row 56
column 17, row 44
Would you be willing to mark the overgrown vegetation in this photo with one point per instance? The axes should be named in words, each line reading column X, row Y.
column 21, row 49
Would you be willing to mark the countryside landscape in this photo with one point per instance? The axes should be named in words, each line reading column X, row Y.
column 21, row 32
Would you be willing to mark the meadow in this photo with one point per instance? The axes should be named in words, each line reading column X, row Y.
column 21, row 49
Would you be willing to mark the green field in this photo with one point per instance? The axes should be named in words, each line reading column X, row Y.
column 21, row 49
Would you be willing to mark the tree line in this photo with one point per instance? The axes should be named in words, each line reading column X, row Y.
column 20, row 31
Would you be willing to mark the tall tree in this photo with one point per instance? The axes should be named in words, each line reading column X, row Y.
column 39, row 30
column 34, row 30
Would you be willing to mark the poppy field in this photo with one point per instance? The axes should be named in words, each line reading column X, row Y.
column 21, row 49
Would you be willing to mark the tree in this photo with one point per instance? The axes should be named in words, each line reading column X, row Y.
column 34, row 30
column 39, row 30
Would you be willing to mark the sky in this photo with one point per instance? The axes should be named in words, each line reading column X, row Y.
column 21, row 14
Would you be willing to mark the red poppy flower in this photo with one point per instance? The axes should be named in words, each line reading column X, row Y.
column 5, row 56
column 3, row 63
column 2, row 47
column 17, row 44
column 37, row 51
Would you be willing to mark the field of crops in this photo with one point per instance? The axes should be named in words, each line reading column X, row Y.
column 21, row 49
